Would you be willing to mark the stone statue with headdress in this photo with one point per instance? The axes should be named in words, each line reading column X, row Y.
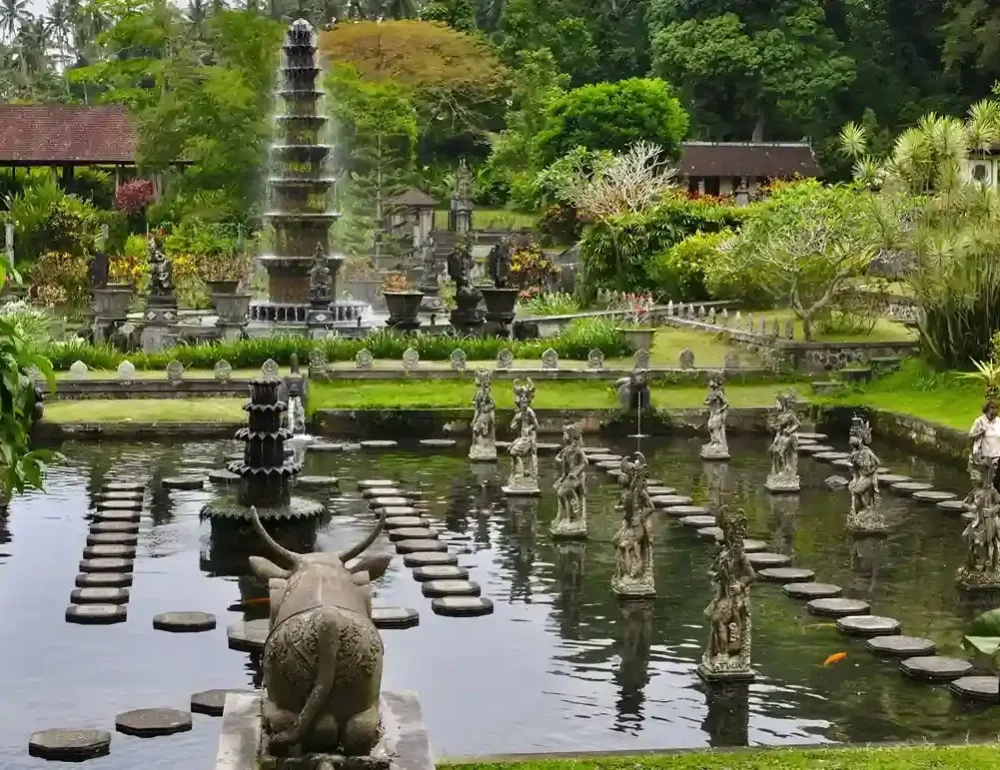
column 484, row 427
column 784, row 475
column 865, row 516
column 633, row 576
column 571, row 486
column 523, row 451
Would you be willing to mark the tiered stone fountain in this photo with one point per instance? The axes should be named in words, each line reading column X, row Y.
column 299, row 192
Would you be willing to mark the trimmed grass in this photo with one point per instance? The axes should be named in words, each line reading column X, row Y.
column 147, row 410
column 883, row 331
column 492, row 219
column 968, row 757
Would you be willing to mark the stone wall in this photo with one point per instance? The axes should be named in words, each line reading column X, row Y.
column 80, row 390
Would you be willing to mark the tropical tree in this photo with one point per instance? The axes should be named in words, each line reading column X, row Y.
column 13, row 13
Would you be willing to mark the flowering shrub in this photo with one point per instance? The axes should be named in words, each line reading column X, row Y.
column 531, row 271
column 133, row 196
column 395, row 282
column 132, row 265
column 60, row 278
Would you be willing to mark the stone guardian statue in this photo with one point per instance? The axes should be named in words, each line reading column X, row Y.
column 523, row 479
column 633, row 541
column 484, row 426
column 865, row 517
column 718, row 409
column 981, row 571
column 784, row 475
column 571, row 486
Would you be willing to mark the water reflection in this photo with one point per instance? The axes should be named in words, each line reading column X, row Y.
column 571, row 564
column 728, row 719
column 636, row 627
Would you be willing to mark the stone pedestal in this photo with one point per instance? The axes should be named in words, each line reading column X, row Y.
column 501, row 307
column 714, row 452
column 466, row 319
column 782, row 483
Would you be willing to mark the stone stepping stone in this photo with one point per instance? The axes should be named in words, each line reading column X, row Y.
column 698, row 522
column 429, row 559
column 109, row 552
column 213, row 702
column 689, row 510
column 609, row 465
column 248, row 636
column 909, row 487
column 184, row 622
column 107, row 565
column 404, row 522
column 786, row 574
column 322, row 446
column 710, row 533
column 317, row 481
column 838, row 607
column 808, row 436
column 120, row 495
column 379, row 444
column 123, row 486
column 754, row 546
column 900, row 646
column 233, row 457
column 830, row 456
column 836, row 482
column 952, row 506
column 119, row 505
column 122, row 527
column 811, row 590
column 548, row 446
column 764, row 559
column 131, row 516
column 371, row 492
column 935, row 668
column 596, row 450
column 462, row 606
column 113, row 538
column 979, row 688
column 184, row 482
column 868, row 625
column 96, row 614
column 387, row 502
column 438, row 443
column 420, row 545
column 149, row 723
column 440, row 572
column 99, row 596
column 892, row 478
column 603, row 457
column 400, row 510
column 933, row 496
column 223, row 477
column 395, row 617
column 844, row 463
column 69, row 745
column 437, row 588
column 812, row 449
column 366, row 483
column 412, row 533
column 654, row 490
column 968, row 516
column 666, row 501
column 104, row 580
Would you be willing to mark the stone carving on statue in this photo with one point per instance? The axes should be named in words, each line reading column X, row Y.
column 161, row 280
column 460, row 266
column 784, row 475
column 981, row 571
column 634, row 539
column 633, row 391
column 320, row 278
column 727, row 656
column 865, row 516
column 467, row 298
column 571, row 486
column 718, row 408
column 484, row 426
column 523, row 449
column 322, row 661
column 498, row 262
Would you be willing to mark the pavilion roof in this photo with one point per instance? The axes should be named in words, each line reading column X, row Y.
column 413, row 197
column 775, row 160
column 64, row 134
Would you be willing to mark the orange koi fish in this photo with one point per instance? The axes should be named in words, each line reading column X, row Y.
column 835, row 658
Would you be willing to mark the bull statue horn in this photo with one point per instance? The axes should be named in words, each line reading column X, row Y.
column 274, row 545
column 360, row 548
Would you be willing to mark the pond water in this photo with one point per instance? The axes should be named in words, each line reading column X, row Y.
column 557, row 667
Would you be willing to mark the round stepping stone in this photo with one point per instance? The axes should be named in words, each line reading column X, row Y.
column 96, row 614
column 596, row 450
column 184, row 622
column 603, row 457
column 442, row 572
column 67, row 744
column 609, row 465
column 842, row 463
column 400, row 510
column 753, row 546
column 900, row 646
column 548, row 446
column 666, row 501
column 99, row 596
column 764, row 559
column 436, row 588
column 113, row 538
column 830, row 456
column 120, row 495
column 838, row 607
column 386, row 502
column 654, row 490
column 212, row 702
column 935, row 668
column 933, row 496
column 420, row 545
column 689, row 510
column 148, row 723
column 980, row 688
column 184, row 482
column 109, row 552
column 809, row 436
column 248, row 636
column 395, row 617
column 868, row 625
column 968, row 516
column 233, row 457
column 404, row 522
column 324, row 446
column 123, row 527
column 462, row 606
column 383, row 492
column 429, row 559
column 710, row 533
column 438, row 443
column 123, row 486
column 812, row 449
column 106, row 565
column 952, row 506
column 366, row 483
column 119, row 505
column 812, row 590
column 412, row 533
column 786, row 574
column 132, row 516
column 892, row 478
column 224, row 477
column 378, row 444
column 698, row 522
column 909, row 487
column 317, row 481
column 104, row 580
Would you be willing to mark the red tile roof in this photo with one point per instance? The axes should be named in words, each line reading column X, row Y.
column 65, row 134
column 776, row 160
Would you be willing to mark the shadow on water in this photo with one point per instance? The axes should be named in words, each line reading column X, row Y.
column 561, row 665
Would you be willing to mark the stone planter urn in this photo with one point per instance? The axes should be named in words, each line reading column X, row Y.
column 365, row 290
column 639, row 338
column 113, row 301
column 225, row 286
column 403, row 308
column 231, row 308
column 501, row 306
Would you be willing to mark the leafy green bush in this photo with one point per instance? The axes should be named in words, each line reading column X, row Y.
column 679, row 272
column 551, row 303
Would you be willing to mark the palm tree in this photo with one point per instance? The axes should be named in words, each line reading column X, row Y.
column 60, row 26
column 197, row 12
column 13, row 14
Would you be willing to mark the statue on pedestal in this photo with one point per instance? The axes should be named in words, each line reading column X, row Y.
column 865, row 516
column 523, row 449
column 320, row 279
column 634, row 539
column 161, row 282
column 727, row 656
column 431, row 302
column 571, row 486
column 981, row 571
column 784, row 475
column 484, row 428
column 498, row 263
column 718, row 409
column 466, row 316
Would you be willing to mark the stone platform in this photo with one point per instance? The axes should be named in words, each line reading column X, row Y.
column 404, row 744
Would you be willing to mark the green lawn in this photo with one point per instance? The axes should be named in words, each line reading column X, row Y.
column 492, row 219
column 883, row 331
column 147, row 410
column 968, row 757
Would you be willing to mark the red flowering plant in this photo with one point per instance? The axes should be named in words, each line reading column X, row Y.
column 133, row 196
column 531, row 270
column 638, row 307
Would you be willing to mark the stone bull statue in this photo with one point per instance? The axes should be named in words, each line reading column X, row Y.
column 323, row 656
